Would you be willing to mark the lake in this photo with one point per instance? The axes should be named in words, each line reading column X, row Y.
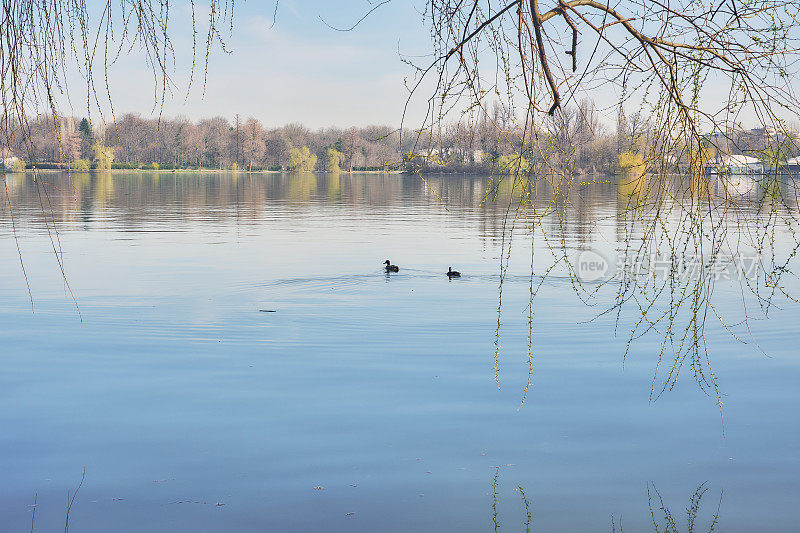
column 236, row 359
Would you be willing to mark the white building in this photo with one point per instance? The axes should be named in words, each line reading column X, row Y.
column 741, row 164
column 9, row 159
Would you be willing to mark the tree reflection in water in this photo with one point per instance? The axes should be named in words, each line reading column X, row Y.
column 663, row 520
column 671, row 236
column 677, row 238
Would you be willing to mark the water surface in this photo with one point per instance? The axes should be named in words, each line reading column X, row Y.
column 365, row 402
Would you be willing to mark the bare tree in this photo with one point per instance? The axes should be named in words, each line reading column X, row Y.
column 351, row 144
column 253, row 137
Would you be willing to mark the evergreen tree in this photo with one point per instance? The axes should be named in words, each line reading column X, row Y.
column 87, row 138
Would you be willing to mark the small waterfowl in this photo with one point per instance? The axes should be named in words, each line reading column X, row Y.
column 453, row 273
column 390, row 267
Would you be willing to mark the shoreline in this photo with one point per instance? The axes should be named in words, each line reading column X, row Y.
column 199, row 171
column 475, row 172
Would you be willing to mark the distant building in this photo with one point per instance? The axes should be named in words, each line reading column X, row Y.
column 740, row 164
column 9, row 159
column 793, row 165
column 765, row 132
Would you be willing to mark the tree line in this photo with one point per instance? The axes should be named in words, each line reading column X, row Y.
column 573, row 139
column 212, row 143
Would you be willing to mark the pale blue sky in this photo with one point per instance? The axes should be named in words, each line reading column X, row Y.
column 298, row 70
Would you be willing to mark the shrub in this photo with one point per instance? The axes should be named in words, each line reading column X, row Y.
column 630, row 160
column 81, row 165
column 333, row 158
column 18, row 166
column 151, row 166
column 513, row 164
column 46, row 166
column 103, row 156
column 302, row 160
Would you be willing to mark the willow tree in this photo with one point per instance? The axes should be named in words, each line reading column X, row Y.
column 695, row 72
column 41, row 41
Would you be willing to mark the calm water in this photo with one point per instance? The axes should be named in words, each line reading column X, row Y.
column 365, row 402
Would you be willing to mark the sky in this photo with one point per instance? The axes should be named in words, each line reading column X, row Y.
column 297, row 70
column 290, row 65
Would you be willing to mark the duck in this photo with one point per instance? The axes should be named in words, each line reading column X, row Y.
column 453, row 273
column 390, row 267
